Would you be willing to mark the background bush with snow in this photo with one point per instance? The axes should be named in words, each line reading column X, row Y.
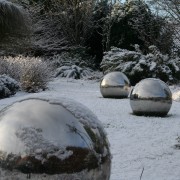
column 138, row 66
column 73, row 71
column 72, row 65
column 32, row 73
column 8, row 86
column 35, row 75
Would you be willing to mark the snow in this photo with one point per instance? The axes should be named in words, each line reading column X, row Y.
column 139, row 145
column 176, row 93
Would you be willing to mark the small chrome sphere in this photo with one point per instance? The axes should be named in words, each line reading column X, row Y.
column 151, row 97
column 115, row 85
column 52, row 139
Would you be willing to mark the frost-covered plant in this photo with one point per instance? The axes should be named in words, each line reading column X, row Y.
column 72, row 58
column 72, row 65
column 32, row 73
column 162, row 66
column 8, row 86
column 10, row 66
column 73, row 71
column 119, row 59
column 63, row 59
column 35, row 75
column 138, row 66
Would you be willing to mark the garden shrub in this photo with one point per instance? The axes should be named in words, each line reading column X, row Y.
column 72, row 65
column 73, row 71
column 11, row 66
column 8, row 86
column 32, row 73
column 138, row 66
column 35, row 75
column 75, row 56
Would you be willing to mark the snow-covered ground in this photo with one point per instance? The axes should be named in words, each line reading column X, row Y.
column 142, row 147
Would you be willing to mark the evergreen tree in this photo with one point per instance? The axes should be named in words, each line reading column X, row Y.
column 134, row 23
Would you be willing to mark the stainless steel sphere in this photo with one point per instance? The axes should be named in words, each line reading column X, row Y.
column 52, row 139
column 115, row 85
column 151, row 97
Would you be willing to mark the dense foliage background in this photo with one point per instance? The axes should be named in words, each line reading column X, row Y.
column 87, row 32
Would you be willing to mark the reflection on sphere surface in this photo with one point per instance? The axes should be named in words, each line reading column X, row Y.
column 115, row 85
column 52, row 139
column 151, row 97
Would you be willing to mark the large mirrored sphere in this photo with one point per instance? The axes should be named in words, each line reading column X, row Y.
column 151, row 97
column 52, row 140
column 115, row 85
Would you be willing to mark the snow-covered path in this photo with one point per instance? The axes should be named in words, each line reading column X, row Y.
column 139, row 145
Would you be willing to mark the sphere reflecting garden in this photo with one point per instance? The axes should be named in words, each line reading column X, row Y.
column 151, row 97
column 52, row 139
column 115, row 85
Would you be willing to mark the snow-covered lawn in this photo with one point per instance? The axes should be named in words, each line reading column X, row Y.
column 141, row 147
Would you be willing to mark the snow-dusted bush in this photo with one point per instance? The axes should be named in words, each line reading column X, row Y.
column 162, row 66
column 119, row 59
column 72, row 65
column 35, row 75
column 32, row 73
column 74, row 57
column 73, row 71
column 8, row 86
column 138, row 66
column 10, row 66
